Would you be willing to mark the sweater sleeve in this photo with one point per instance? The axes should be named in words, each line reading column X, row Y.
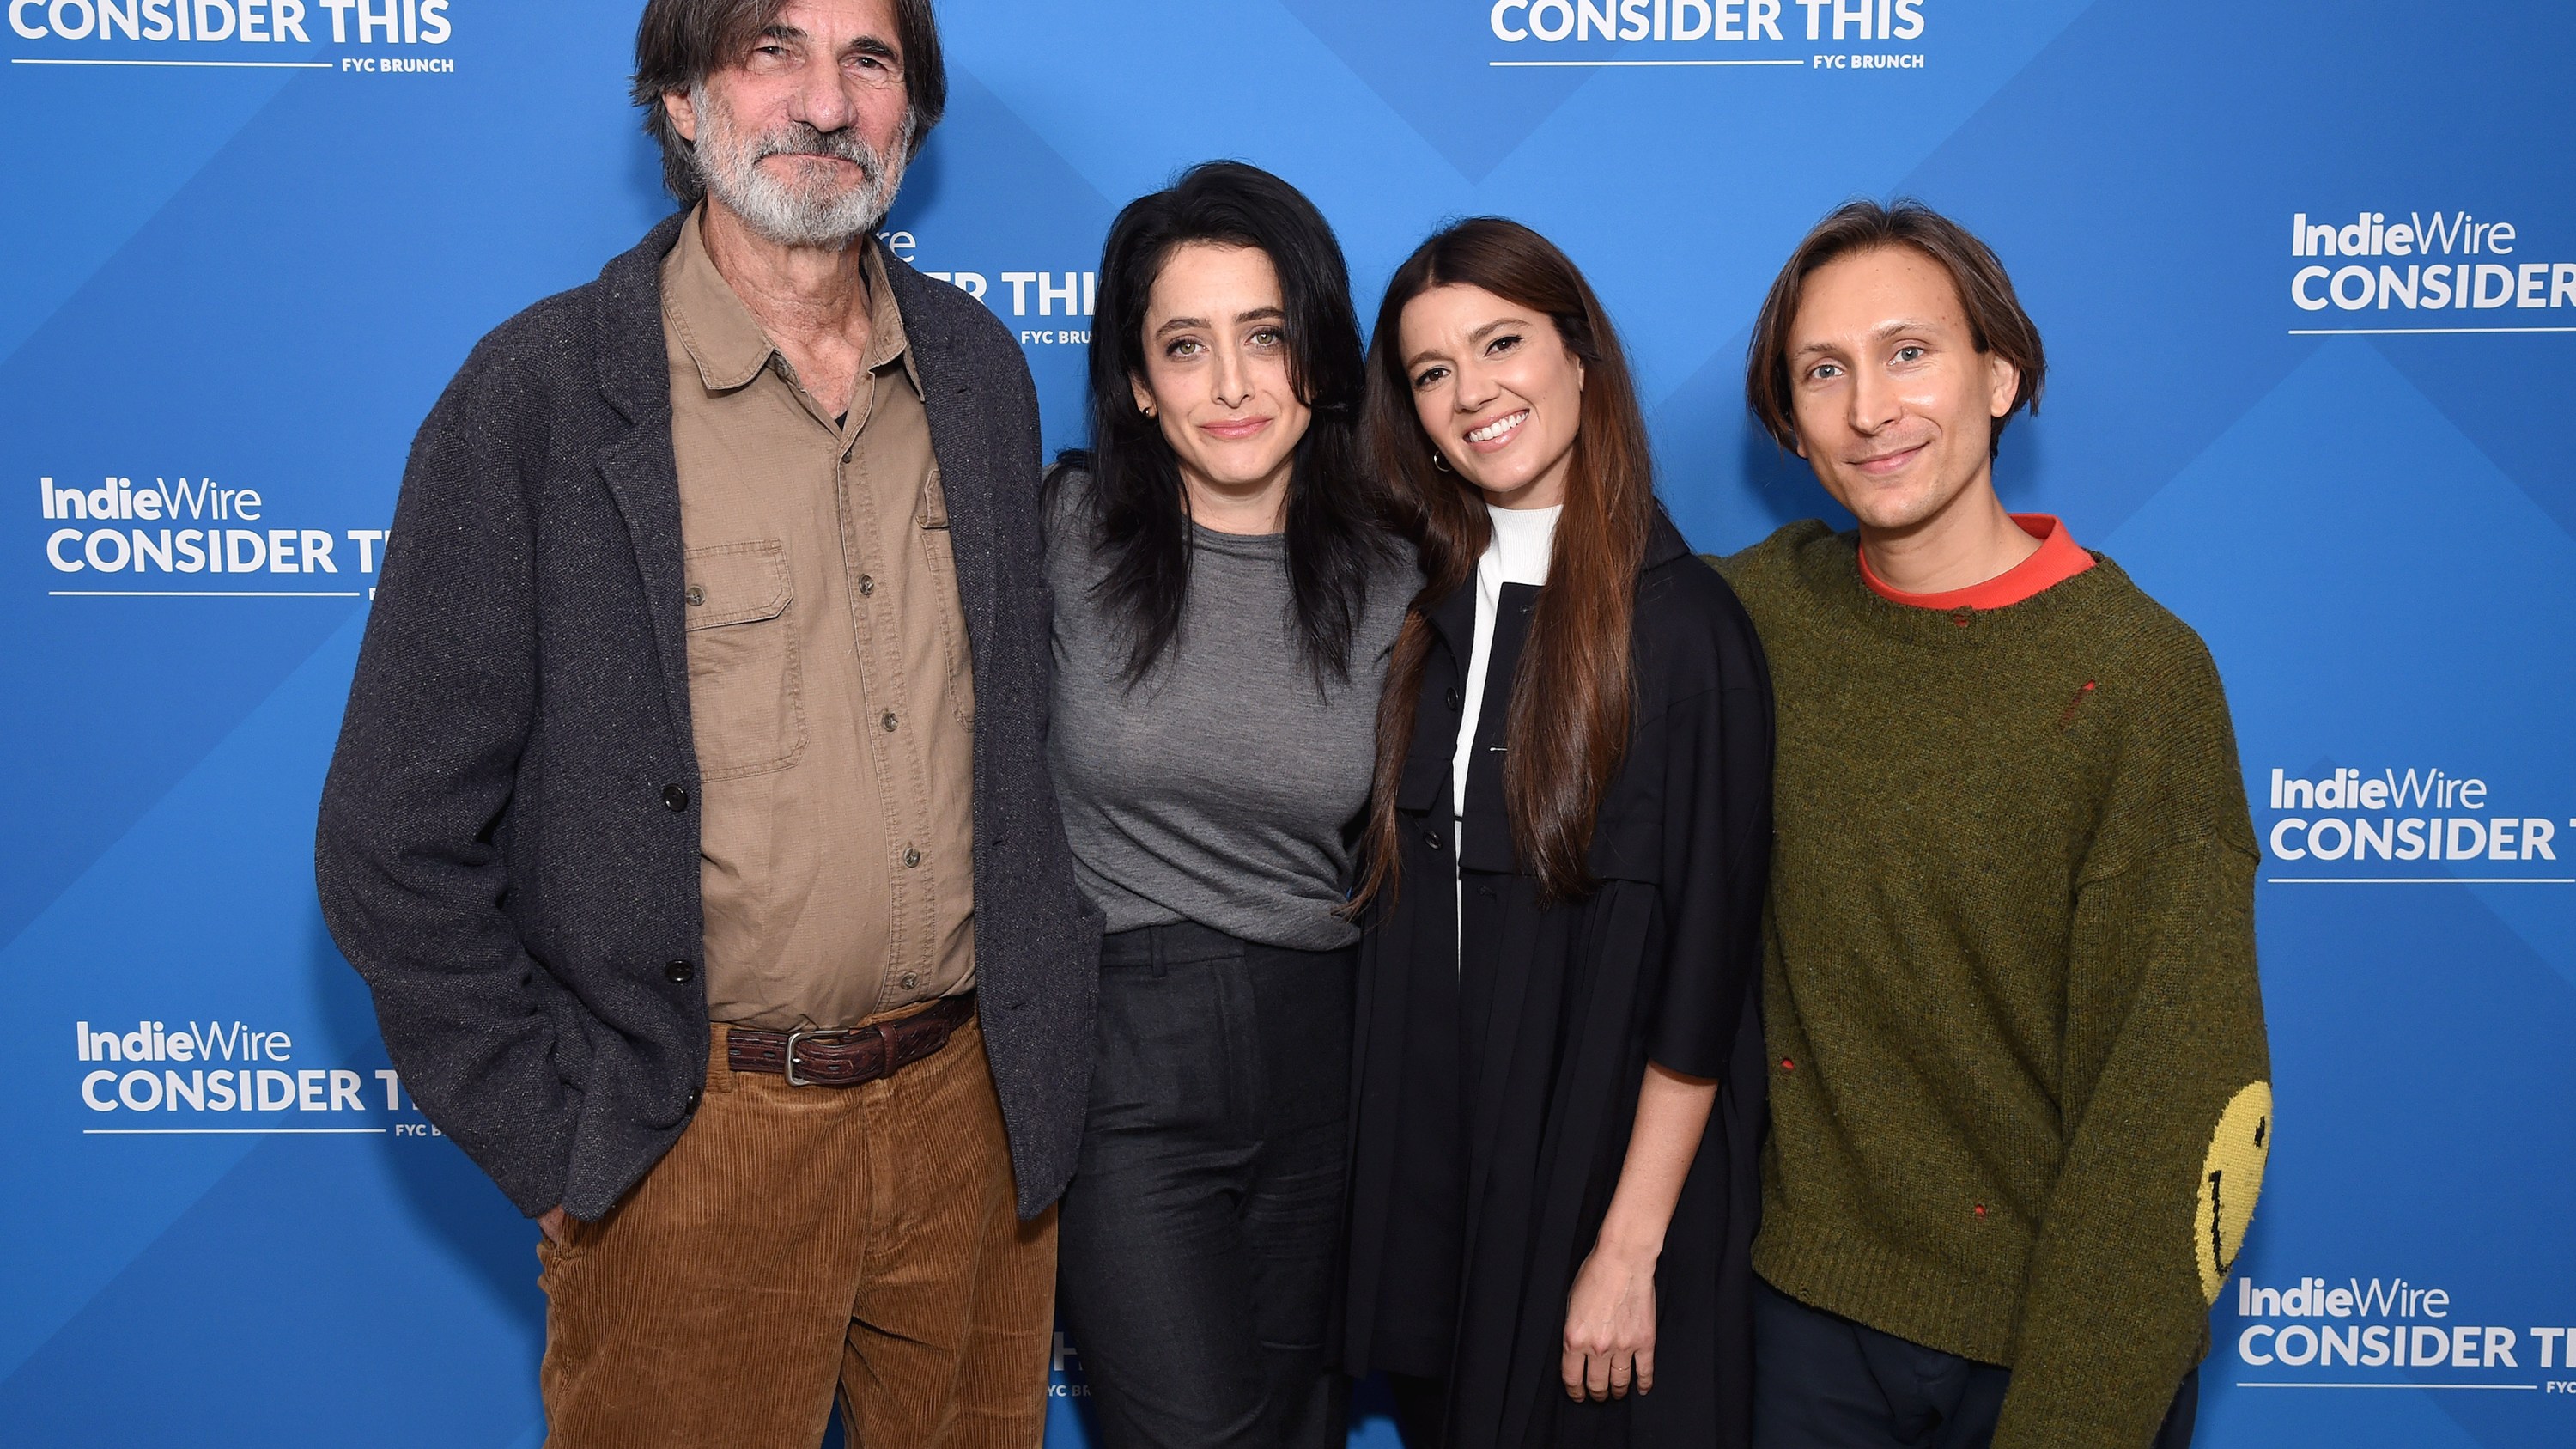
column 1716, row 866
column 410, row 848
column 2166, row 1097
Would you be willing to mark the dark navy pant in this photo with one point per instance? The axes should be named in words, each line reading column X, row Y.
column 1821, row 1381
column 1200, row 1240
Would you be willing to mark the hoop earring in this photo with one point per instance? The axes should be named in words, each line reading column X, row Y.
column 1439, row 462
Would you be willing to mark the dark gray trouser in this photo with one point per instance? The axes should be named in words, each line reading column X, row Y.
column 1821, row 1381
column 1199, row 1241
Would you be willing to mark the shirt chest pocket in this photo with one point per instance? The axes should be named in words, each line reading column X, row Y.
column 939, row 556
column 747, row 713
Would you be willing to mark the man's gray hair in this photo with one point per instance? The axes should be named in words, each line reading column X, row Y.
column 679, row 43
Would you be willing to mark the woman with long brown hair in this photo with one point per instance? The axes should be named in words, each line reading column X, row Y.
column 1559, row 1084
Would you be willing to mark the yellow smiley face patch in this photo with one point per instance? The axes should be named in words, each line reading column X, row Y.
column 2231, row 1178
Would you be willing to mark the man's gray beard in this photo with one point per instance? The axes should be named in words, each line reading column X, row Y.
column 783, row 212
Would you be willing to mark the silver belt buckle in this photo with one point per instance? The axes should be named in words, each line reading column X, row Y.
column 819, row 1033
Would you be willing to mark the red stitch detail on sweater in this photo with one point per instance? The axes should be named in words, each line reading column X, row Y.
column 1981, row 1209
column 2076, row 703
column 1787, row 1065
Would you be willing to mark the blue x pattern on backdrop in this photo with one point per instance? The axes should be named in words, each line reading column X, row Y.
column 2308, row 278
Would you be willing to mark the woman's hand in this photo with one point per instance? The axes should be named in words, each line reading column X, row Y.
column 1610, row 1315
column 1610, row 1325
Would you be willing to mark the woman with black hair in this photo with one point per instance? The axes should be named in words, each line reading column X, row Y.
column 1560, row 1087
column 1226, row 592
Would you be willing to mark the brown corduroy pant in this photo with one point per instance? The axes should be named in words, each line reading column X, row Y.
column 802, row 1240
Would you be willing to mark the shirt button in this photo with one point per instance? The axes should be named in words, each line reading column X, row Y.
column 888, row 721
column 867, row 585
column 674, row 798
column 693, row 1100
column 911, row 857
column 680, row 972
column 697, row 595
column 908, row 981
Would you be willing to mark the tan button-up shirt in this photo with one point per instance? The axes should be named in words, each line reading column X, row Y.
column 829, row 684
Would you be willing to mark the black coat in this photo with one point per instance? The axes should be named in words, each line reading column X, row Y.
column 508, row 850
column 1495, row 1087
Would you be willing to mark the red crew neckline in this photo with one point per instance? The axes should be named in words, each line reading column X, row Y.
column 2059, row 558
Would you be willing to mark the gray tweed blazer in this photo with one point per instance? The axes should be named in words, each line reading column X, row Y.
column 508, row 847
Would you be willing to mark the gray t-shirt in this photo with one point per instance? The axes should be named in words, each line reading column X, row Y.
column 1217, row 789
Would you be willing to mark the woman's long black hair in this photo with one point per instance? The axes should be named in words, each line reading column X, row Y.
column 1139, row 511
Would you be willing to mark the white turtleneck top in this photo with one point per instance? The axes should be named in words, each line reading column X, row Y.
column 1517, row 554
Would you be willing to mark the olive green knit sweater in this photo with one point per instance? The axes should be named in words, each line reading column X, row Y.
column 2019, row 1093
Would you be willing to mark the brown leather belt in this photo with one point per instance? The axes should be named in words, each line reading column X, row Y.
column 846, row 1056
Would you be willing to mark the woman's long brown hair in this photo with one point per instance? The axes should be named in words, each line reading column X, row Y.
column 1568, row 724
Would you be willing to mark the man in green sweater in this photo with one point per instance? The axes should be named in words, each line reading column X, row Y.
column 2019, row 1081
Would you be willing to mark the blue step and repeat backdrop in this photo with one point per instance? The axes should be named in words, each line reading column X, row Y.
column 2307, row 273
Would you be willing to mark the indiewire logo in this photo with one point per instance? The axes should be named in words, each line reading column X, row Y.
column 1552, row 21
column 178, row 549
column 1058, row 1386
column 2314, row 1324
column 1068, row 293
column 2420, row 815
column 251, row 1071
column 359, row 22
column 2442, row 262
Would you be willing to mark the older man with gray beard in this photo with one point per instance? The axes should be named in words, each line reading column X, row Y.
column 690, row 819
